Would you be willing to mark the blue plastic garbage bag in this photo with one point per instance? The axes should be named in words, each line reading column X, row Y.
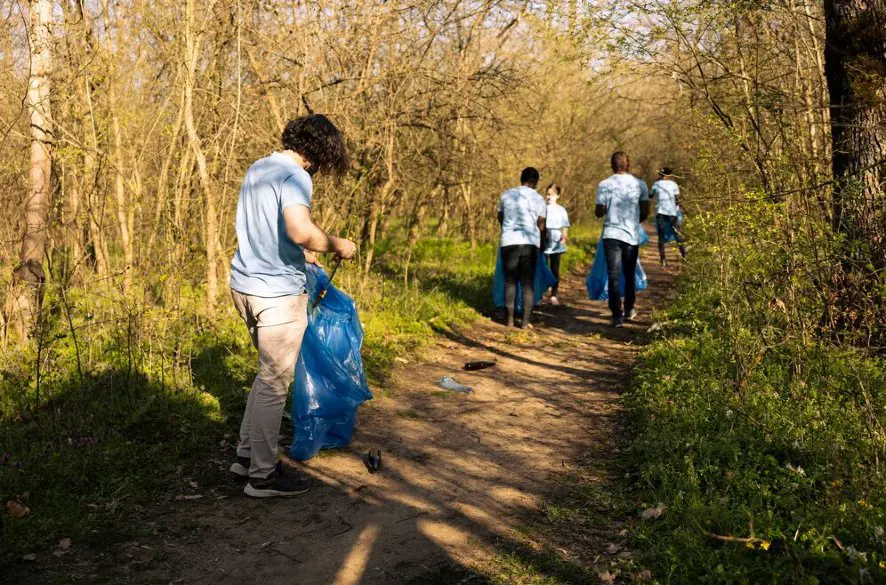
column 598, row 278
column 544, row 279
column 329, row 380
column 644, row 236
column 670, row 234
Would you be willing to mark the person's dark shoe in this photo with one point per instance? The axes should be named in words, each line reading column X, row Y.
column 618, row 322
column 632, row 314
column 240, row 468
column 280, row 484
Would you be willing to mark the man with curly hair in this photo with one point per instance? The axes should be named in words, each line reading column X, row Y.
column 274, row 232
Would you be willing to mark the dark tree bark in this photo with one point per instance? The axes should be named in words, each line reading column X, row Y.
column 855, row 67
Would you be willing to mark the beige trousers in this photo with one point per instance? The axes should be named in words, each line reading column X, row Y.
column 277, row 326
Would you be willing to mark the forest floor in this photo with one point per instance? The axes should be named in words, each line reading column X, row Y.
column 518, row 482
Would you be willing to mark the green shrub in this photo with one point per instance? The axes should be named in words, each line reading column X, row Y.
column 762, row 437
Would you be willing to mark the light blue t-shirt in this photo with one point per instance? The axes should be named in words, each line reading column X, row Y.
column 267, row 263
column 622, row 194
column 556, row 220
column 521, row 206
column 665, row 193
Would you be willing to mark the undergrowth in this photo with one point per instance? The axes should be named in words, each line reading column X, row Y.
column 762, row 438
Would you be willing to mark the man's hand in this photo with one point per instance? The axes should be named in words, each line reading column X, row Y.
column 311, row 258
column 344, row 248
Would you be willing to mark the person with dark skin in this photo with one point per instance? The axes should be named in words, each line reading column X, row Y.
column 274, row 233
column 666, row 193
column 521, row 214
column 623, row 200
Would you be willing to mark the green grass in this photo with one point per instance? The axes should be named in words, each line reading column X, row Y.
column 746, row 429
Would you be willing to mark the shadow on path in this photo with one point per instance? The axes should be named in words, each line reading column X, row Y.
column 462, row 478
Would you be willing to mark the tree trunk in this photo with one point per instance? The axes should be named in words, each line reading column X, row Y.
column 27, row 297
column 443, row 225
column 122, row 201
column 855, row 67
column 210, row 217
column 467, row 196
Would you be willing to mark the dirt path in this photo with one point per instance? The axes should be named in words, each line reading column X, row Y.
column 462, row 473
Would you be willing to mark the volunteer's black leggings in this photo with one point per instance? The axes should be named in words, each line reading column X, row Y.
column 554, row 264
column 519, row 264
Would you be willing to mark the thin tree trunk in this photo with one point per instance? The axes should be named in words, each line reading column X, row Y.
column 122, row 201
column 378, row 204
column 163, row 180
column 27, row 298
column 210, row 226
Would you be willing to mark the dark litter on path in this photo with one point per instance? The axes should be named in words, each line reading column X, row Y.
column 372, row 461
column 478, row 365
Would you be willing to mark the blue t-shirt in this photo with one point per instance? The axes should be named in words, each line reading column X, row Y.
column 267, row 263
column 665, row 193
column 622, row 194
column 521, row 208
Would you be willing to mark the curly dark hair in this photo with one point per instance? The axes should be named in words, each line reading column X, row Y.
column 317, row 139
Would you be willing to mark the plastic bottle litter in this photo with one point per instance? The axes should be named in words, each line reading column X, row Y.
column 447, row 383
column 478, row 365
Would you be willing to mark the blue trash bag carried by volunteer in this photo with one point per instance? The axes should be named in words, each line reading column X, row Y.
column 544, row 279
column 670, row 232
column 329, row 380
column 644, row 236
column 598, row 278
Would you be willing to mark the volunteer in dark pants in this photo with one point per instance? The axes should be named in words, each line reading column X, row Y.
column 623, row 200
column 556, row 234
column 666, row 193
column 521, row 213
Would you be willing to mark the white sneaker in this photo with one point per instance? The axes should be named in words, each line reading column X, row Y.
column 555, row 301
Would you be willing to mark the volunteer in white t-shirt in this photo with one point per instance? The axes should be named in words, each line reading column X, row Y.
column 623, row 200
column 666, row 192
column 521, row 213
column 556, row 234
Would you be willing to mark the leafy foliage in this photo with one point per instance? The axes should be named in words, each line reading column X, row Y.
column 761, row 436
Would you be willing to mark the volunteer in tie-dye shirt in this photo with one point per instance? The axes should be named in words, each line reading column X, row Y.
column 623, row 200
column 665, row 191
column 556, row 234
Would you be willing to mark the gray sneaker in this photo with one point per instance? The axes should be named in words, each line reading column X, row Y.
column 632, row 314
column 240, row 468
column 618, row 322
column 280, row 484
